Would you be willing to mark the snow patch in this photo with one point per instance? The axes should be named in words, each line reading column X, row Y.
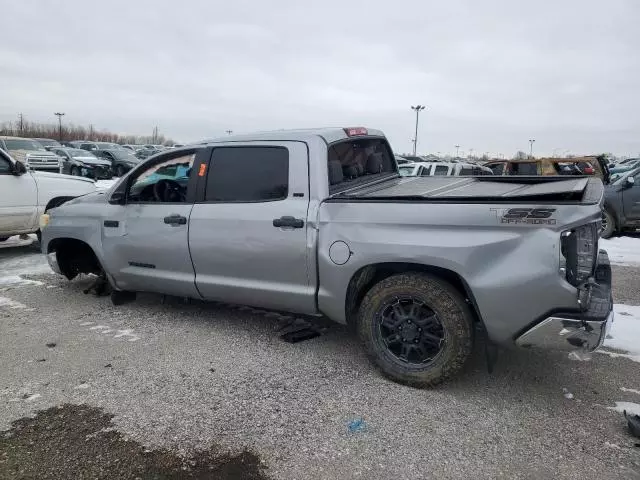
column 12, row 304
column 132, row 337
column 631, row 390
column 630, row 407
column 624, row 333
column 31, row 263
column 622, row 250
column 33, row 397
column 18, row 241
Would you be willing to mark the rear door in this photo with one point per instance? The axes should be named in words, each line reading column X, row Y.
column 248, row 229
column 18, row 200
column 145, row 241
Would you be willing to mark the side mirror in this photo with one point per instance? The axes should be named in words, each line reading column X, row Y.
column 117, row 198
column 19, row 168
column 630, row 181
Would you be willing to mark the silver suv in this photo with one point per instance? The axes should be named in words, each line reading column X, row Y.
column 31, row 153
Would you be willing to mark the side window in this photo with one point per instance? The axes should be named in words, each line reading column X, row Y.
column 163, row 182
column 5, row 166
column 466, row 171
column 441, row 170
column 425, row 171
column 248, row 174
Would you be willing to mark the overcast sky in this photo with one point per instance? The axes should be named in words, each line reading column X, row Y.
column 492, row 73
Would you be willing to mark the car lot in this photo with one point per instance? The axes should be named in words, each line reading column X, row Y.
column 214, row 378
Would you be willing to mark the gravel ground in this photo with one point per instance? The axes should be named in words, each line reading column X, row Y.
column 186, row 380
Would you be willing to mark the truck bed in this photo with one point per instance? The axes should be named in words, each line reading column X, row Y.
column 496, row 189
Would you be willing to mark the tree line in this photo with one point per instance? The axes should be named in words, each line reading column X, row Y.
column 24, row 128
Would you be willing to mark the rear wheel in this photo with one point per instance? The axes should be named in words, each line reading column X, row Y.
column 120, row 171
column 75, row 171
column 608, row 224
column 416, row 328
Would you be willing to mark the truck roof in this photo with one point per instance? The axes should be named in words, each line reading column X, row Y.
column 329, row 134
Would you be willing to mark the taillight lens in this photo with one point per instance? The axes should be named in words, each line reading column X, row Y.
column 579, row 253
column 356, row 131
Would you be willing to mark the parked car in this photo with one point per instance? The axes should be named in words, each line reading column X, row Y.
column 551, row 166
column 31, row 153
column 133, row 148
column 78, row 162
column 48, row 143
column 319, row 222
column 25, row 194
column 621, row 209
column 121, row 160
column 628, row 164
column 426, row 169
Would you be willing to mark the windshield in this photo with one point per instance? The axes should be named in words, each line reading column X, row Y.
column 405, row 171
column 47, row 142
column 77, row 153
column 105, row 145
column 124, row 154
column 618, row 178
column 22, row 144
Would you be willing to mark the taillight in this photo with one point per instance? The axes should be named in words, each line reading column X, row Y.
column 355, row 131
column 589, row 170
column 578, row 253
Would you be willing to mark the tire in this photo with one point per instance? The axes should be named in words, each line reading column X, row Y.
column 608, row 224
column 449, row 318
column 3, row 239
column 75, row 171
column 120, row 171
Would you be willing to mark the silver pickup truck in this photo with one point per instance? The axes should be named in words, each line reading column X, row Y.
column 319, row 222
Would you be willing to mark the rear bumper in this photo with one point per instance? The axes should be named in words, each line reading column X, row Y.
column 572, row 330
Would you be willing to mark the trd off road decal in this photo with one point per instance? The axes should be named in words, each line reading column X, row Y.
column 530, row 216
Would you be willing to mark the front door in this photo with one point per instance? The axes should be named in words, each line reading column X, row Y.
column 18, row 200
column 248, row 230
column 145, row 241
column 631, row 201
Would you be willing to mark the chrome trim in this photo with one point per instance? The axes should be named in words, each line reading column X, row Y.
column 567, row 334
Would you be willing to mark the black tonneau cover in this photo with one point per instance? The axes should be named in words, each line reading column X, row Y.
column 487, row 188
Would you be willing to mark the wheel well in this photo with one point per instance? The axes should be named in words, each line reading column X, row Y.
column 56, row 202
column 74, row 257
column 365, row 278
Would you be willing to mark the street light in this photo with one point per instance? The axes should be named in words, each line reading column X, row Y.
column 59, row 115
column 418, row 109
column 531, row 147
column 457, row 150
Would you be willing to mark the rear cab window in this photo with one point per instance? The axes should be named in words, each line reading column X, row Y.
column 441, row 170
column 524, row 168
column 357, row 161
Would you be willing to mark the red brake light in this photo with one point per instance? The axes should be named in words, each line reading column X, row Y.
column 355, row 131
column 589, row 170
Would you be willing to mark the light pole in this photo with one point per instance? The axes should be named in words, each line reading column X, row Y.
column 531, row 140
column 457, row 150
column 59, row 115
column 418, row 109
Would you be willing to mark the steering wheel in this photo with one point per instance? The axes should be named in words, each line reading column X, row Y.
column 168, row 191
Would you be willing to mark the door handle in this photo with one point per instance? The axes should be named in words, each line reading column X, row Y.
column 175, row 220
column 288, row 222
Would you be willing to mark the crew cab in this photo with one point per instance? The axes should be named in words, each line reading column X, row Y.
column 25, row 194
column 319, row 222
